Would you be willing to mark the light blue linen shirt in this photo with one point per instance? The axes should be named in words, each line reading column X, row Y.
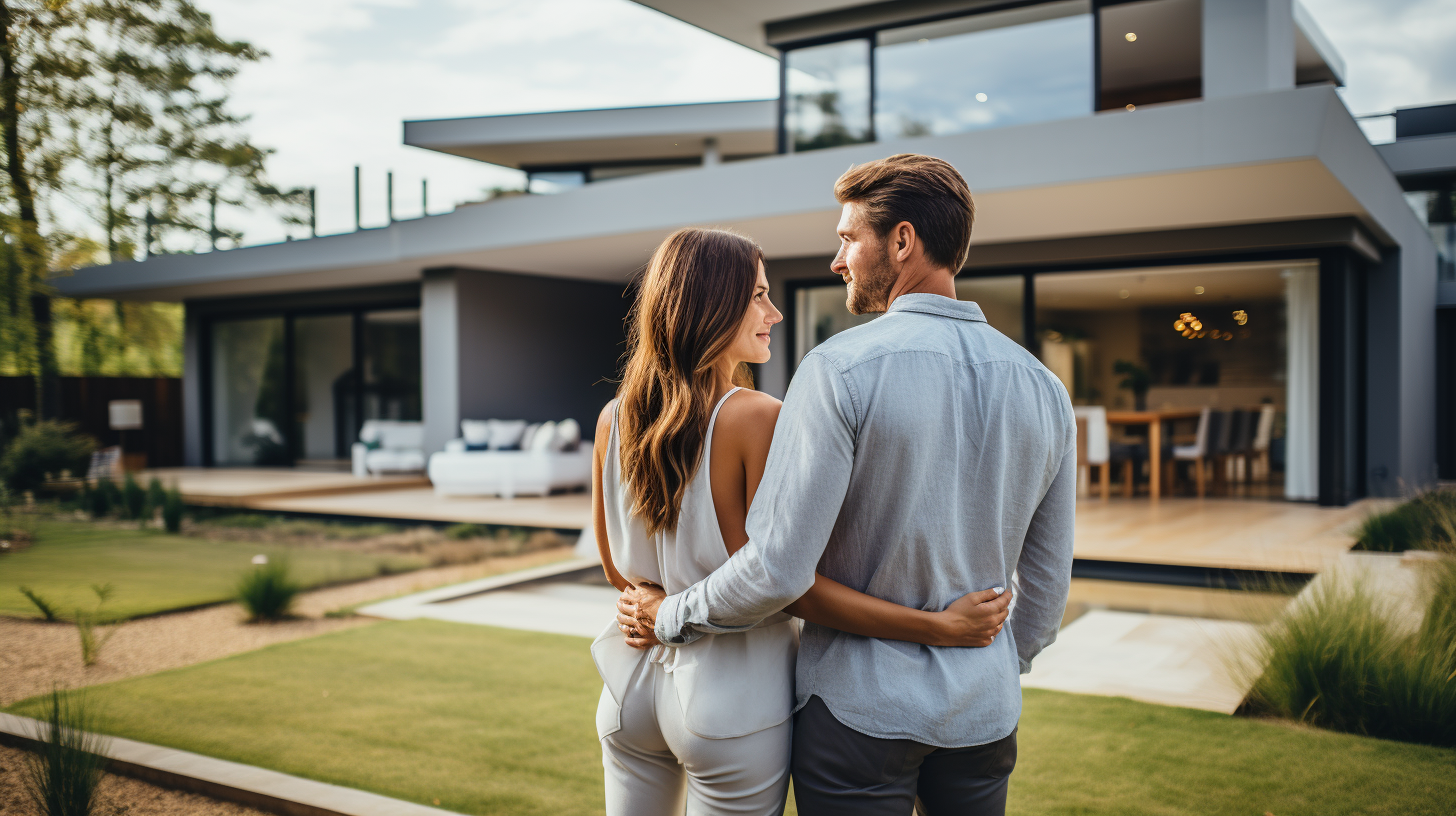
column 917, row 458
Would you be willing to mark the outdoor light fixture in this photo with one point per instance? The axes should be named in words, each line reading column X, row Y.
column 1241, row 317
column 1130, row 37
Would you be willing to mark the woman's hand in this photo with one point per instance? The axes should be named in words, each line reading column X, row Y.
column 638, row 635
column 973, row 620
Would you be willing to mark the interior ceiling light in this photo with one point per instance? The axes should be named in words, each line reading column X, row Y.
column 1198, row 290
column 1123, row 293
column 1130, row 37
column 1131, row 106
column 980, row 97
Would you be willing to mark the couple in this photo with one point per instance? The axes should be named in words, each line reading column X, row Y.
column 916, row 464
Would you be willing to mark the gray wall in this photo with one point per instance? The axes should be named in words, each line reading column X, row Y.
column 523, row 347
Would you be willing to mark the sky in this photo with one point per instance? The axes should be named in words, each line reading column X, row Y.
column 343, row 75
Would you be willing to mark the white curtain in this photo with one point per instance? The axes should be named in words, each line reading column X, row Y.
column 1301, row 468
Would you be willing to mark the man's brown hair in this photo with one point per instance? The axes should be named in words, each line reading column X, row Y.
column 923, row 190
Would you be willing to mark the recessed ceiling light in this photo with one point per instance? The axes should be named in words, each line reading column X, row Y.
column 980, row 97
column 1198, row 290
column 1131, row 106
column 1130, row 37
column 1123, row 293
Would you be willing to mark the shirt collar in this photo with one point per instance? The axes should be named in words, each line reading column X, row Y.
column 938, row 305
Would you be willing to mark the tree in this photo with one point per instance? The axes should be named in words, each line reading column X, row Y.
column 115, row 114
column 161, row 147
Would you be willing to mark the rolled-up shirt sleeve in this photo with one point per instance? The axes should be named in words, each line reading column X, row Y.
column 794, row 510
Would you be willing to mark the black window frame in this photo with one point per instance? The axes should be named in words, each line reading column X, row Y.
column 207, row 321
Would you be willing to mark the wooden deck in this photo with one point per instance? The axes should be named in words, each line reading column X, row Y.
column 1223, row 533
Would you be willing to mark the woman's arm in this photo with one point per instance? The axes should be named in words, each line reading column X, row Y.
column 599, row 507
column 747, row 431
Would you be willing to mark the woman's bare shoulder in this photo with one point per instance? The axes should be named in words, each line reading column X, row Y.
column 604, row 425
column 749, row 415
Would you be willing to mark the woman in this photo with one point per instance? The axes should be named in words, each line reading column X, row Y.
column 678, row 457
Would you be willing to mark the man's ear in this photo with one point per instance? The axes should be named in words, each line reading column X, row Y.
column 903, row 240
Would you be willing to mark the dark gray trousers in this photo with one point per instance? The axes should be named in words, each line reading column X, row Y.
column 837, row 770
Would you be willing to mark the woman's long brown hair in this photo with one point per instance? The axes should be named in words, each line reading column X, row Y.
column 690, row 302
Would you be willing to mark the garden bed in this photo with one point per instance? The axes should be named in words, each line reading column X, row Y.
column 117, row 796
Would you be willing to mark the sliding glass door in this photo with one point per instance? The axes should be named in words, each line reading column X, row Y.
column 295, row 388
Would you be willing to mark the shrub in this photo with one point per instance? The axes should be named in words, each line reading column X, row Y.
column 45, row 448
column 62, row 774
column 267, row 591
column 1427, row 521
column 1338, row 660
column 156, row 498
column 172, row 511
column 47, row 609
column 133, row 498
column 460, row 532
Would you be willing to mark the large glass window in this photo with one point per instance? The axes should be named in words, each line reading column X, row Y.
column 828, row 95
column 392, row 365
column 1151, row 51
column 250, row 414
column 1002, row 68
column 323, row 377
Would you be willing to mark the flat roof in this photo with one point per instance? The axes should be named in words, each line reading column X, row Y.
column 761, row 24
column 604, row 135
column 1255, row 159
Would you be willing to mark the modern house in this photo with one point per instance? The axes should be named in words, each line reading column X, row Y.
column 1136, row 165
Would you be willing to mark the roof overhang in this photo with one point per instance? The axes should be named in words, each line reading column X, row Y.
column 1294, row 155
column 1421, row 156
column 605, row 136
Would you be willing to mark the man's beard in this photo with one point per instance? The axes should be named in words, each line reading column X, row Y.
column 870, row 288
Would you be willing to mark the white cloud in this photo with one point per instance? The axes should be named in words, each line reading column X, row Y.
column 343, row 74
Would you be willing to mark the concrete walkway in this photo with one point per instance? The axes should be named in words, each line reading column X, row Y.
column 230, row 781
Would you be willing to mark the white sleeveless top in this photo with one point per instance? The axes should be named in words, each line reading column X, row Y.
column 727, row 685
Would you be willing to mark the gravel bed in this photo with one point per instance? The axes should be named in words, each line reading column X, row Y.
column 118, row 796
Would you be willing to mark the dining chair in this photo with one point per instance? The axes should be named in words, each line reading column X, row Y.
column 1210, row 426
column 1263, row 432
column 1093, row 447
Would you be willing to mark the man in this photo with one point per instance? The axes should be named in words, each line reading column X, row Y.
column 916, row 458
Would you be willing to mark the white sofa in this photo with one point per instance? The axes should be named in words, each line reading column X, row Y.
column 509, row 458
column 389, row 446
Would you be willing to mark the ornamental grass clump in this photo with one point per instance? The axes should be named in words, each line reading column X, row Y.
column 1427, row 521
column 1340, row 659
column 268, row 590
column 62, row 774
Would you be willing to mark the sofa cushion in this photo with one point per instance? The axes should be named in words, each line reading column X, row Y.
column 568, row 435
column 505, row 434
column 544, row 440
column 475, row 432
column 529, row 435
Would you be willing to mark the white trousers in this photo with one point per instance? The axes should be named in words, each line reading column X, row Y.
column 653, row 761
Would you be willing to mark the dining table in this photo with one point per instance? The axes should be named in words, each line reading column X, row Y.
column 1154, row 420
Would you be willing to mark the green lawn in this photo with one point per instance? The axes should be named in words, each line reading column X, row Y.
column 490, row 721
column 153, row 571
